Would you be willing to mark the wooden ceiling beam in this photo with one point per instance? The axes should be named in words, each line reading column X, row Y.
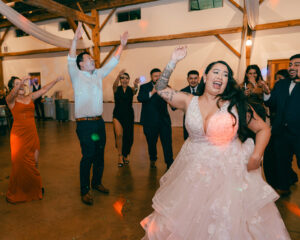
column 176, row 36
column 61, row 10
column 289, row 23
column 104, row 4
column 72, row 23
column 83, row 25
column 237, row 5
column 228, row 45
column 108, row 56
column 3, row 37
column 30, row 52
column 107, row 18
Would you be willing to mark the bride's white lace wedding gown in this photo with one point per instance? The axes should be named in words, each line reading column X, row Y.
column 208, row 194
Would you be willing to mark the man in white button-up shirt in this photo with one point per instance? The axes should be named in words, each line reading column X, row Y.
column 87, row 85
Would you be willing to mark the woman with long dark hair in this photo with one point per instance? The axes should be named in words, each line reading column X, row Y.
column 253, row 89
column 123, row 115
column 214, row 189
column 25, row 182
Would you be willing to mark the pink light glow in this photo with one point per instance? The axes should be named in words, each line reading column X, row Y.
column 292, row 207
column 143, row 24
column 220, row 130
column 118, row 206
column 274, row 3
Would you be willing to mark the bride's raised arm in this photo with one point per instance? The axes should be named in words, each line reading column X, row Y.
column 175, row 98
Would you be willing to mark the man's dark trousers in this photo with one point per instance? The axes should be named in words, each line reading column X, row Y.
column 164, row 131
column 92, row 139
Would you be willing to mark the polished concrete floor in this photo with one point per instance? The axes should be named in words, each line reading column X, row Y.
column 62, row 215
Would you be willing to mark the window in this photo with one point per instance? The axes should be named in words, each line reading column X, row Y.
column 205, row 4
column 20, row 33
column 129, row 15
column 64, row 26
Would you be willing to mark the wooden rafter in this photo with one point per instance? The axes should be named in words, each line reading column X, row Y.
column 88, row 6
column 83, row 25
column 108, row 55
column 237, row 5
column 107, row 18
column 96, row 39
column 289, row 23
column 228, row 45
column 37, row 51
column 176, row 36
column 72, row 23
column 266, row 26
column 61, row 10
column 104, row 4
column 3, row 36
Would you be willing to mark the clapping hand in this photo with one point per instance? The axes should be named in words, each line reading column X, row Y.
column 124, row 38
column 179, row 53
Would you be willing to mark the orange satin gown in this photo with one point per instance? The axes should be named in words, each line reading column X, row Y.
column 25, row 182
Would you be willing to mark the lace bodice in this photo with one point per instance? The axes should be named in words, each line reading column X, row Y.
column 221, row 129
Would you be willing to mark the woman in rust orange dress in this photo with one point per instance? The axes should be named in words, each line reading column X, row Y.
column 25, row 181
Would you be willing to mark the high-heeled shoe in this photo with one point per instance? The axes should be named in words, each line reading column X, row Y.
column 121, row 161
column 120, row 164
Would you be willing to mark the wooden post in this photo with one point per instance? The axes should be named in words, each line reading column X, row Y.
column 1, row 72
column 96, row 38
column 248, row 47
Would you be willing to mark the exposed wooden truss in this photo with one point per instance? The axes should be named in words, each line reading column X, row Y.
column 61, row 10
column 41, row 14
column 165, row 37
column 228, row 45
column 237, row 5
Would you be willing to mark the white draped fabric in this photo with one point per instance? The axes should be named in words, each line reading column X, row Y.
column 32, row 29
column 242, row 63
column 252, row 8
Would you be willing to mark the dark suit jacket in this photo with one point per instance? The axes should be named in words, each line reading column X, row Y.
column 188, row 90
column 34, row 89
column 154, row 109
column 286, row 107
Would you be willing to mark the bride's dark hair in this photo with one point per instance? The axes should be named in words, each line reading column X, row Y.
column 234, row 94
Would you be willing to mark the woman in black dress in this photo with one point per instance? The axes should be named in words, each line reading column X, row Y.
column 123, row 115
column 253, row 89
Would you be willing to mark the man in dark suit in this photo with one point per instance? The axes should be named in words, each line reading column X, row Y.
column 39, row 106
column 156, row 120
column 193, row 88
column 285, row 99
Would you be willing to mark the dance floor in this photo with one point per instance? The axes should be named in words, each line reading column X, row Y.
column 62, row 215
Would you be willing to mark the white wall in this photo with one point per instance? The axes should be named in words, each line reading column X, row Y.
column 163, row 18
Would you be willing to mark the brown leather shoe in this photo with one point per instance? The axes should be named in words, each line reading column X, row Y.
column 87, row 199
column 101, row 189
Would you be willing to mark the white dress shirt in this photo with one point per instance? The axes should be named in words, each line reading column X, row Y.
column 87, row 88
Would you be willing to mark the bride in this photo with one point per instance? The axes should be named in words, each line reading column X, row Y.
column 214, row 189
